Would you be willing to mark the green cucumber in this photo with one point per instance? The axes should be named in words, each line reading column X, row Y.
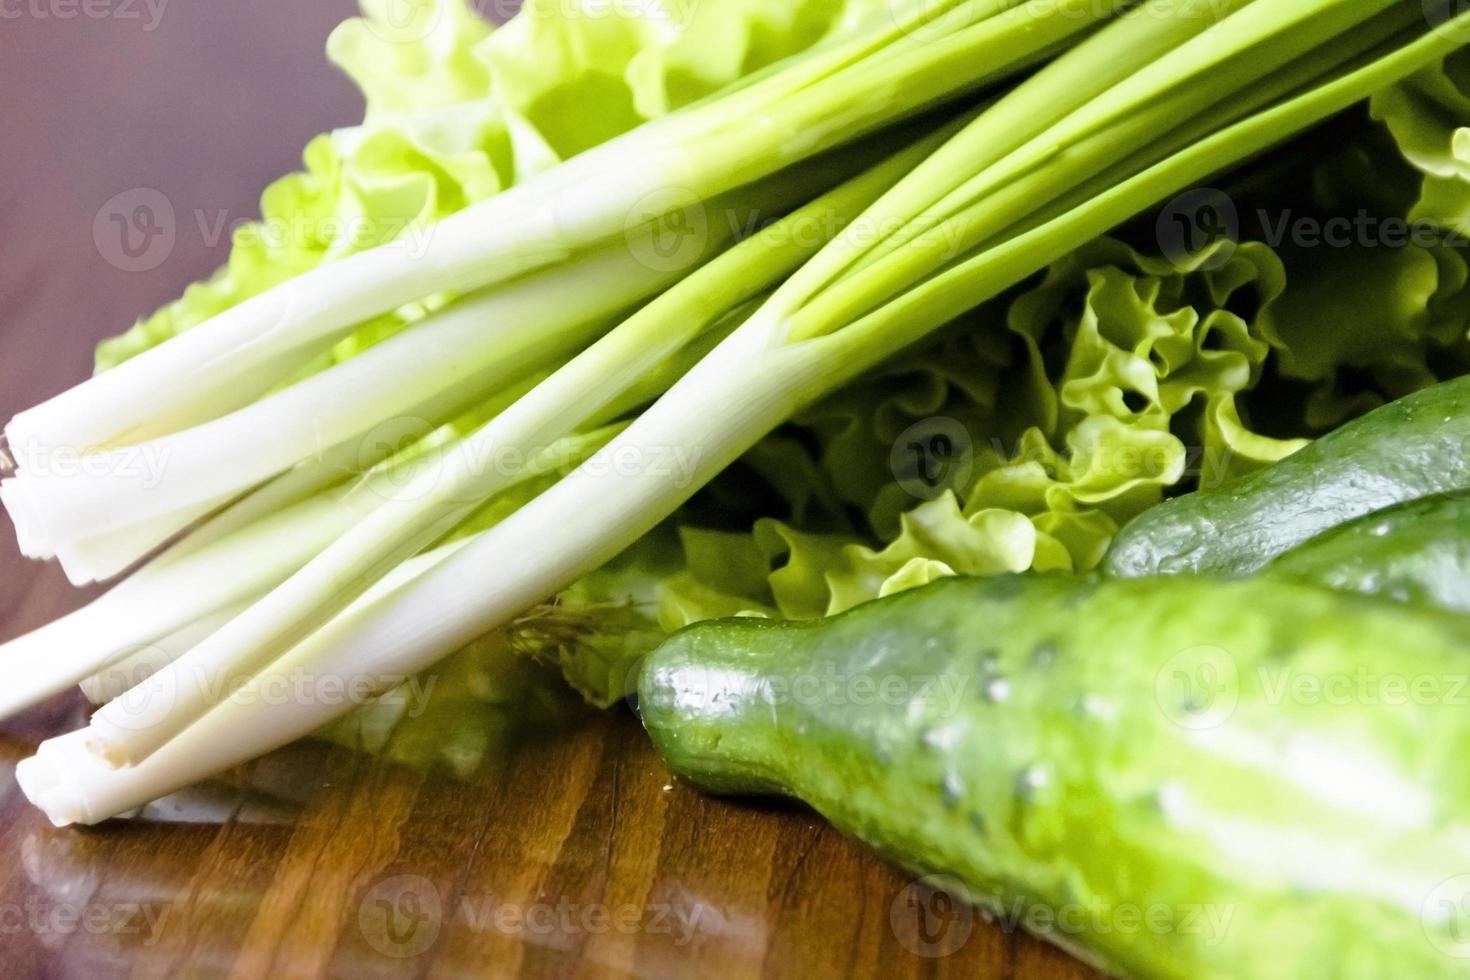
column 1407, row 449
column 1415, row 552
column 1104, row 750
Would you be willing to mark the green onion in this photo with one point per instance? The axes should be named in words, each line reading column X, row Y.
column 1120, row 117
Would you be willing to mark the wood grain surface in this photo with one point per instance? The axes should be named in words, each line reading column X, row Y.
column 503, row 831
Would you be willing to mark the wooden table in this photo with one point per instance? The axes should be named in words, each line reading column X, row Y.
column 559, row 847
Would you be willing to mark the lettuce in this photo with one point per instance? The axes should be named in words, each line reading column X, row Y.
column 1115, row 380
column 1079, row 402
column 1428, row 115
column 1087, row 397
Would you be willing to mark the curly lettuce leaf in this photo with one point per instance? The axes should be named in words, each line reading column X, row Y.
column 1082, row 400
column 1115, row 379
column 1428, row 115
column 1381, row 310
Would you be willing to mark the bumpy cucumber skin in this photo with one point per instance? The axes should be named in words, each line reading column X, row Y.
column 1417, row 552
column 1410, row 448
column 1069, row 772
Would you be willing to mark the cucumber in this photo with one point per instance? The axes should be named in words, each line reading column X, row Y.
column 1080, row 753
column 1407, row 449
column 1415, row 552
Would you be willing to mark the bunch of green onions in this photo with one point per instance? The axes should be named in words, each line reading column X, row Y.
column 921, row 165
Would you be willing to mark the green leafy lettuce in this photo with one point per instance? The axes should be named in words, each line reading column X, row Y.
column 1085, row 396
column 1068, row 408
column 1116, row 378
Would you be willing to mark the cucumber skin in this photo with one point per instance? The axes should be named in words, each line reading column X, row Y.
column 1079, row 786
column 1407, row 449
column 1416, row 552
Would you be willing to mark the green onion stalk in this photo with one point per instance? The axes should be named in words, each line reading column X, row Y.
column 967, row 215
column 554, row 246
